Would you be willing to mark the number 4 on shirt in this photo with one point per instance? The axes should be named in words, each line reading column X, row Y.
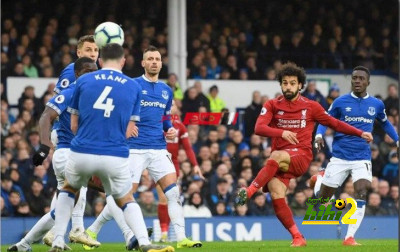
column 107, row 106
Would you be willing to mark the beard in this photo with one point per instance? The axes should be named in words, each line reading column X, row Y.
column 290, row 95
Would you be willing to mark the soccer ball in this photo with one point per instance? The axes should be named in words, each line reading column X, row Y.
column 108, row 32
column 340, row 204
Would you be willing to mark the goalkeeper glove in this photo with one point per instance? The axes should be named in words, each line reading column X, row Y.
column 40, row 155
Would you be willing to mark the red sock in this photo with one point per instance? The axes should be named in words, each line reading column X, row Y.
column 163, row 216
column 263, row 177
column 285, row 216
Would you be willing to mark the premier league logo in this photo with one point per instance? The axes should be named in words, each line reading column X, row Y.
column 165, row 94
column 371, row 111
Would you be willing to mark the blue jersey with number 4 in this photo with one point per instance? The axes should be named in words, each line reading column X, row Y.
column 360, row 113
column 59, row 103
column 155, row 106
column 105, row 101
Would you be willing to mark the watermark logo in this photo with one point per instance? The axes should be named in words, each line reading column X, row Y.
column 327, row 216
column 197, row 118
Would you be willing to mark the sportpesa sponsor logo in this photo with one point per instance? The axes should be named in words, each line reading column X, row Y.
column 357, row 119
column 144, row 103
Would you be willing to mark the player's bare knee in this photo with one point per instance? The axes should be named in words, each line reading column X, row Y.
column 277, row 156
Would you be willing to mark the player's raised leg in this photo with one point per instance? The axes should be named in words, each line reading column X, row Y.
column 272, row 166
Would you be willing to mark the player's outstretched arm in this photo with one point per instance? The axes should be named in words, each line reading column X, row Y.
column 46, row 120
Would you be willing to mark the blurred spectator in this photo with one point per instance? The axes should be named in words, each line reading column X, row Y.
column 333, row 58
column 131, row 68
column 29, row 69
column 34, row 106
column 6, row 187
column 334, row 92
column 222, row 195
column 373, row 205
column 251, row 114
column 23, row 210
column 147, row 204
column 298, row 204
column 36, row 198
column 190, row 102
column 314, row 94
column 258, row 205
column 242, row 210
column 391, row 170
column 377, row 161
column 392, row 100
column 387, row 202
column 172, row 82
column 216, row 103
column 195, row 207
column 220, row 209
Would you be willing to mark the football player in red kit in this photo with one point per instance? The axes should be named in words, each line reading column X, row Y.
column 289, row 120
column 173, row 147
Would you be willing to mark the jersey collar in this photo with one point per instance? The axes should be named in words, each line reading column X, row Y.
column 144, row 77
column 111, row 69
column 355, row 96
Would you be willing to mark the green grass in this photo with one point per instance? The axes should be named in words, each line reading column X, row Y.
column 312, row 245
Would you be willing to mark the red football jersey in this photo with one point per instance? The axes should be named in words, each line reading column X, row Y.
column 297, row 116
column 182, row 138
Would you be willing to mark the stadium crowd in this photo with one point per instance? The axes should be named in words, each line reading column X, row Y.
column 231, row 40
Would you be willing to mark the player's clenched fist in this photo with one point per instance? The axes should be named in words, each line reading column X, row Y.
column 171, row 134
column 367, row 136
column 290, row 137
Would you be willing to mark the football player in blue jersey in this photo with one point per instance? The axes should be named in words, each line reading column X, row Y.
column 104, row 109
column 148, row 150
column 86, row 47
column 57, row 107
column 351, row 155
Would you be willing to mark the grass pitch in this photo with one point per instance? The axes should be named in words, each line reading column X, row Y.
column 312, row 245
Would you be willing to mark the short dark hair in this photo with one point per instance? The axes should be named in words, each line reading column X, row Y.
column 213, row 87
column 112, row 51
column 362, row 68
column 79, row 63
column 291, row 69
column 151, row 48
column 83, row 39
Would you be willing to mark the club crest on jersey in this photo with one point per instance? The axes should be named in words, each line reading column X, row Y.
column 164, row 94
column 64, row 83
column 60, row 99
column 371, row 111
column 303, row 113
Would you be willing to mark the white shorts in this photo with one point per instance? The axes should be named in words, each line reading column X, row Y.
column 112, row 171
column 338, row 170
column 157, row 162
column 54, row 138
column 60, row 158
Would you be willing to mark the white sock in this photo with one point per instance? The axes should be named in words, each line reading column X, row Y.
column 317, row 186
column 79, row 209
column 103, row 217
column 65, row 204
column 359, row 215
column 134, row 218
column 119, row 218
column 175, row 212
column 38, row 230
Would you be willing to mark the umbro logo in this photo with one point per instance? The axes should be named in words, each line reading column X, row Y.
column 144, row 92
column 280, row 112
column 348, row 109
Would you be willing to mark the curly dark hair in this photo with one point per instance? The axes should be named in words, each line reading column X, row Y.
column 291, row 69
